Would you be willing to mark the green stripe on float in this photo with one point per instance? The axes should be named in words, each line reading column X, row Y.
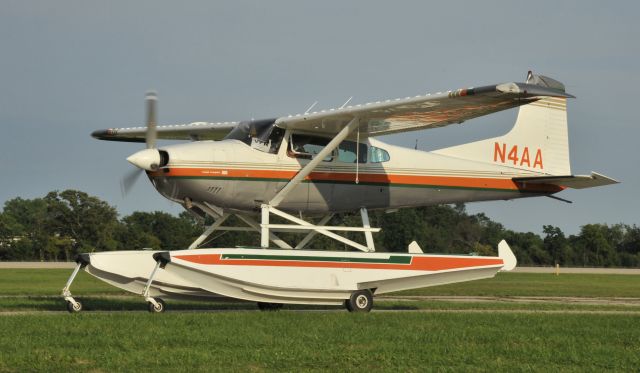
column 393, row 259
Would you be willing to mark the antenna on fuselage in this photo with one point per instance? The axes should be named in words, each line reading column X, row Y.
column 310, row 107
column 416, row 147
column 346, row 102
column 358, row 156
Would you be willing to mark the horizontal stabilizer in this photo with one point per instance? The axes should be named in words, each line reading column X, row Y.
column 571, row 181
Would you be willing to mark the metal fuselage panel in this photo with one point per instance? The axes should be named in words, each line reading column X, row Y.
column 232, row 175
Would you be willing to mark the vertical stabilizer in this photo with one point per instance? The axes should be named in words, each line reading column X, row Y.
column 538, row 142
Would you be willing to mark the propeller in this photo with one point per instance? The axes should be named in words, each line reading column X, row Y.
column 129, row 180
column 151, row 100
column 147, row 159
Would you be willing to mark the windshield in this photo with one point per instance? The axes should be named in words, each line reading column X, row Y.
column 259, row 134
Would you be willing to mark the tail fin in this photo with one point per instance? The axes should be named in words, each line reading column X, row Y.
column 538, row 141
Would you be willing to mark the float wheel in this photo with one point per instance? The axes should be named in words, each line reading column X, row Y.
column 74, row 308
column 157, row 308
column 360, row 301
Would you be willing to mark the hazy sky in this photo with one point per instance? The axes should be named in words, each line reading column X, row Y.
column 70, row 67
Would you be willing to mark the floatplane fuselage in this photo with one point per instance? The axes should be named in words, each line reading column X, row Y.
column 232, row 175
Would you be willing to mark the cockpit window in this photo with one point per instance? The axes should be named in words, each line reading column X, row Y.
column 347, row 152
column 262, row 135
column 307, row 147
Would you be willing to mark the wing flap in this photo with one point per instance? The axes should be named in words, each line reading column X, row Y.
column 571, row 181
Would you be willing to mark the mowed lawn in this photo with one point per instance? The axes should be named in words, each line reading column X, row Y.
column 403, row 336
column 319, row 341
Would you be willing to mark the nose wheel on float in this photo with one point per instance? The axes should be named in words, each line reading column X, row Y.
column 73, row 305
column 154, row 305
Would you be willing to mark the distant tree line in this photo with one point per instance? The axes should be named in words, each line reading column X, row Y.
column 63, row 224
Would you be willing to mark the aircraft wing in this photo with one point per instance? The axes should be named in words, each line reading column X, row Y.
column 376, row 118
column 571, row 181
column 192, row 131
column 428, row 111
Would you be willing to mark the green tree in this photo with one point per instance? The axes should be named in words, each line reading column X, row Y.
column 87, row 221
column 556, row 244
column 595, row 245
column 629, row 248
column 159, row 230
column 31, row 215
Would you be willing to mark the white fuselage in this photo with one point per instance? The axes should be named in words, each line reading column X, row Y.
column 235, row 176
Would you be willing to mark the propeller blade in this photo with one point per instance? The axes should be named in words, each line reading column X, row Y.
column 152, row 133
column 129, row 180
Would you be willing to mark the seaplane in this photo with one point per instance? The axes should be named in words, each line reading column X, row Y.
column 293, row 173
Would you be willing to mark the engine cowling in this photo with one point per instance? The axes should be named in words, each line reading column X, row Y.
column 149, row 159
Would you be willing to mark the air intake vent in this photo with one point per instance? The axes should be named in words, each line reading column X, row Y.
column 164, row 158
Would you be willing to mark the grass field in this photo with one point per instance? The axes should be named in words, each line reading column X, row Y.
column 320, row 341
column 421, row 335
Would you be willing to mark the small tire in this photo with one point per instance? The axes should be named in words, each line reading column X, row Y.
column 360, row 301
column 74, row 308
column 347, row 305
column 159, row 308
column 269, row 307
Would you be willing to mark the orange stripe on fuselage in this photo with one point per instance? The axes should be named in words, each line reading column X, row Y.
column 417, row 263
column 443, row 181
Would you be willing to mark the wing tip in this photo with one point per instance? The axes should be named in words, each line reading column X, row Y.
column 101, row 134
column 110, row 135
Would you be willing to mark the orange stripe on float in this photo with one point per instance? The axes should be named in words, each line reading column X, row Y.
column 417, row 263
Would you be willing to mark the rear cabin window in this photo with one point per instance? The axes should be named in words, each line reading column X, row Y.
column 377, row 155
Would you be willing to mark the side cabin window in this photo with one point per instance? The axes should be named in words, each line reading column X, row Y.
column 348, row 152
column 377, row 155
column 307, row 147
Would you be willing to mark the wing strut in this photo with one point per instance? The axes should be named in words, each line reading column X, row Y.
column 306, row 170
column 220, row 216
column 270, row 207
